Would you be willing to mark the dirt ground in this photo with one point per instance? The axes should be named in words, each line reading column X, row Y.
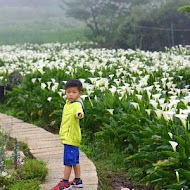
column 120, row 182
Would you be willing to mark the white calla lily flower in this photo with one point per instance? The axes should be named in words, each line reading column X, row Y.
column 174, row 145
column 34, row 80
column 177, row 176
column 49, row 99
column 84, row 96
column 148, row 111
column 110, row 111
column 158, row 113
column 136, row 105
column 171, row 135
column 139, row 96
column 183, row 119
column 43, row 86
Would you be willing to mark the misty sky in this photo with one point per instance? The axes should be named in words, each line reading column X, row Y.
column 34, row 14
column 28, row 3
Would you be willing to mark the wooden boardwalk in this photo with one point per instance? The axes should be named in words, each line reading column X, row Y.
column 47, row 147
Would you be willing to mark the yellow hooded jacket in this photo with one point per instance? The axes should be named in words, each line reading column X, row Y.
column 70, row 132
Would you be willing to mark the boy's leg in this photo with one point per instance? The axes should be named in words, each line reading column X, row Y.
column 67, row 161
column 64, row 183
column 77, row 170
column 67, row 172
column 77, row 182
column 71, row 158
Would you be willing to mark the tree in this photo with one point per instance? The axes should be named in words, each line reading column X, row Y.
column 146, row 24
column 185, row 9
column 101, row 16
column 155, row 27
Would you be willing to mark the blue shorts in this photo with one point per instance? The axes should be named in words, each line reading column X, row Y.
column 70, row 155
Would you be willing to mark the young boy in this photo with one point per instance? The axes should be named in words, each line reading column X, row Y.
column 70, row 134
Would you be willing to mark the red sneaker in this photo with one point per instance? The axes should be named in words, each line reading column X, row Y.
column 77, row 183
column 62, row 186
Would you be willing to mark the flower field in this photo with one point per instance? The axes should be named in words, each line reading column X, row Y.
column 137, row 103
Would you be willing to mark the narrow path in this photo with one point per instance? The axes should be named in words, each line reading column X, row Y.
column 47, row 147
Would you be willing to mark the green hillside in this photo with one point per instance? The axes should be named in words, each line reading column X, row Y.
column 37, row 22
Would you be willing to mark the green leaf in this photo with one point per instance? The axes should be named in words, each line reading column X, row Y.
column 170, row 154
column 185, row 173
column 174, row 187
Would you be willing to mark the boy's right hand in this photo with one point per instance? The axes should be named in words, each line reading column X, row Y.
column 80, row 115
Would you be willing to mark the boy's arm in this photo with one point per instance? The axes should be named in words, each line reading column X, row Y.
column 79, row 110
column 61, row 119
column 61, row 123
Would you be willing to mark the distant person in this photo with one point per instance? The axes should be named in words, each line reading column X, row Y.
column 70, row 134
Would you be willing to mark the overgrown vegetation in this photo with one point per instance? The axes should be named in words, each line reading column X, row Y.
column 149, row 25
column 30, row 184
column 137, row 107
column 17, row 175
column 185, row 9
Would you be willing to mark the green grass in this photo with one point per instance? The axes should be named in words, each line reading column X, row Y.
column 13, row 36
column 23, row 185
column 28, row 175
column 109, row 167
column 4, row 109
column 33, row 169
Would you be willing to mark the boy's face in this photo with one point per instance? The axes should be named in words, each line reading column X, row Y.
column 72, row 93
